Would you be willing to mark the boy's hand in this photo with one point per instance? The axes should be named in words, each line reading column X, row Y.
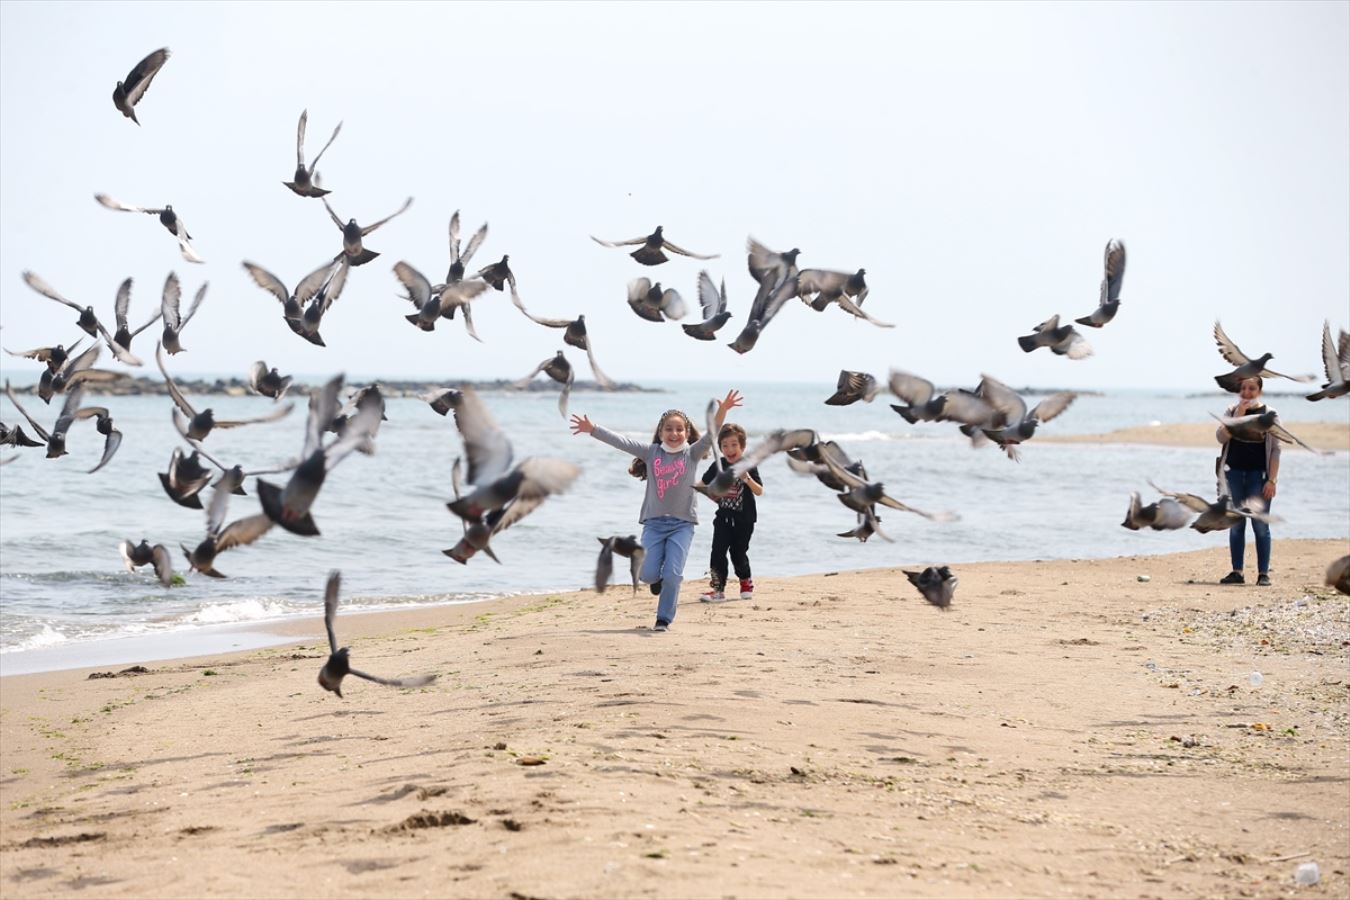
column 731, row 400
column 582, row 425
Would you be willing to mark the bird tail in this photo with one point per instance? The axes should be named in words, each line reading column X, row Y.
column 1028, row 343
column 649, row 256
column 362, row 258
column 906, row 413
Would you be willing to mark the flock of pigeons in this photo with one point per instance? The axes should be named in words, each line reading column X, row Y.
column 500, row 491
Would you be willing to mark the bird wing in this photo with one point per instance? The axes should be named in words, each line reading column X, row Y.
column 256, row 373
column 272, row 416
column 1227, row 349
column 181, row 425
column 821, row 281
column 242, row 531
column 162, row 561
column 300, row 139
column 122, row 304
column 330, row 605
column 401, row 210
column 46, row 290
column 522, row 382
column 672, row 304
column 269, row 282
column 196, row 302
column 419, row 289
column 628, row 243
column 709, row 299
column 1271, row 373
column 486, row 446
column 332, row 215
column 912, row 389
column 1191, row 501
column 168, row 306
column 336, row 281
column 778, row 441
column 323, row 408
column 673, row 249
column 1049, row 324
column 604, row 566
column 638, row 289
column 41, row 432
column 474, row 243
column 855, row 310
column 764, row 264
column 546, row 476
column 601, row 378
column 1053, row 405
column 1113, row 266
column 315, row 164
column 110, row 445
column 1002, row 398
column 1288, row 436
column 454, row 237
column 415, row 681
column 110, row 203
column 216, row 510
column 179, row 400
column 144, row 72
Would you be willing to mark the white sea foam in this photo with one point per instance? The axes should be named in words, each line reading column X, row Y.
column 859, row 437
column 251, row 610
column 47, row 637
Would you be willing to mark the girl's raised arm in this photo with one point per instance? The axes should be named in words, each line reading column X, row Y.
column 582, row 425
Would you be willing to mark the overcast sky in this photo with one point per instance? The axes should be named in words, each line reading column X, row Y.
column 974, row 158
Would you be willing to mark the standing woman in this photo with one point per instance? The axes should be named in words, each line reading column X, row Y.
column 1250, row 469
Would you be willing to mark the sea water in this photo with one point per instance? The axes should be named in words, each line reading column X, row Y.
column 384, row 521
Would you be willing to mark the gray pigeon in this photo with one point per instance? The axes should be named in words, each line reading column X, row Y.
column 852, row 387
column 540, row 478
column 15, row 437
column 290, row 506
column 136, row 555
column 293, row 304
column 173, row 324
column 1338, row 574
column 926, row 405
column 1255, row 427
column 121, row 340
column 1336, row 361
column 1222, row 514
column 652, row 303
column 1165, row 515
column 560, row 370
column 1012, row 424
column 438, row 301
column 129, row 92
column 649, row 254
column 88, row 321
column 1063, row 340
column 231, row 477
column 338, row 665
column 1246, row 366
column 624, row 546
column 56, row 438
column 457, row 260
column 574, row 335
column 1114, row 274
column 221, row 537
column 352, row 234
column 167, row 217
column 819, row 288
column 776, row 274
column 54, row 357
column 861, row 494
column 267, row 382
column 714, row 307
column 185, row 479
column 936, row 583
column 306, row 180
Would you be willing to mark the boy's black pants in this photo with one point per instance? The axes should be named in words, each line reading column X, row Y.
column 730, row 536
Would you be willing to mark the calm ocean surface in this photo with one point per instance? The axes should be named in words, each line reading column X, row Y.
column 384, row 519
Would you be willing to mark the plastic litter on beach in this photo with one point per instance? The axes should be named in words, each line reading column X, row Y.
column 1307, row 874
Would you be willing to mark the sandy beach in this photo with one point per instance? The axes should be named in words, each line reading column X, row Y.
column 1325, row 436
column 1066, row 729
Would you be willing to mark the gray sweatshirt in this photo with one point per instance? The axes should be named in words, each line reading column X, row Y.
column 670, row 476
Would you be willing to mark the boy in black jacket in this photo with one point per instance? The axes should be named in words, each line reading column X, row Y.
column 735, row 520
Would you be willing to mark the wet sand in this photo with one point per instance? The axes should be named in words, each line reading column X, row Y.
column 1064, row 730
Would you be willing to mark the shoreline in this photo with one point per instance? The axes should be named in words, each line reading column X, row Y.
column 1324, row 435
column 1063, row 728
column 256, row 634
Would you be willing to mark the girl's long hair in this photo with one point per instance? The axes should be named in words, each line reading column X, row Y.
column 638, row 468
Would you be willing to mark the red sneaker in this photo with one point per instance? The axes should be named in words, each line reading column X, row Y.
column 747, row 589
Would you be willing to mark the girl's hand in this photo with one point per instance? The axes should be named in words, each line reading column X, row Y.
column 732, row 399
column 1268, row 491
column 582, row 425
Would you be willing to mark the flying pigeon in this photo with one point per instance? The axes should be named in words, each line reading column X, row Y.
column 649, row 254
column 167, row 217
column 129, row 92
column 306, row 180
column 1112, row 277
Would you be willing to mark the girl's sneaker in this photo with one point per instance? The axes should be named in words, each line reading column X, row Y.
column 711, row 596
column 747, row 589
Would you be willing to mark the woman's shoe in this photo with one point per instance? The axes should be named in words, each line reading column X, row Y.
column 1263, row 580
column 1233, row 578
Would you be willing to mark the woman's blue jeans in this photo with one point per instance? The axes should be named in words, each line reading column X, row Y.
column 666, row 540
column 1243, row 484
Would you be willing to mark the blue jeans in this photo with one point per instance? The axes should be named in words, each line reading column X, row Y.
column 1243, row 484
column 666, row 540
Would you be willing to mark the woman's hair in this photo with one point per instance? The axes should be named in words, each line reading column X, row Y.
column 638, row 468
column 729, row 429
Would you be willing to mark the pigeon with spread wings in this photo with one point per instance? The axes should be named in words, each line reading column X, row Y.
column 136, row 555
column 624, row 546
column 267, row 382
column 574, row 335
column 1221, row 514
column 130, row 91
column 434, row 302
column 173, row 323
column 650, row 253
column 88, row 321
column 1113, row 264
column 1063, row 340
column 1246, row 366
column 714, row 307
column 1336, row 361
column 293, row 303
column 221, row 537
column 652, row 303
column 560, row 370
column 852, row 387
column 56, row 438
column 936, row 583
column 338, row 665
column 1254, row 428
column 926, row 405
column 777, row 275
column 167, row 217
column 306, row 179
column 818, row 288
column 352, row 234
